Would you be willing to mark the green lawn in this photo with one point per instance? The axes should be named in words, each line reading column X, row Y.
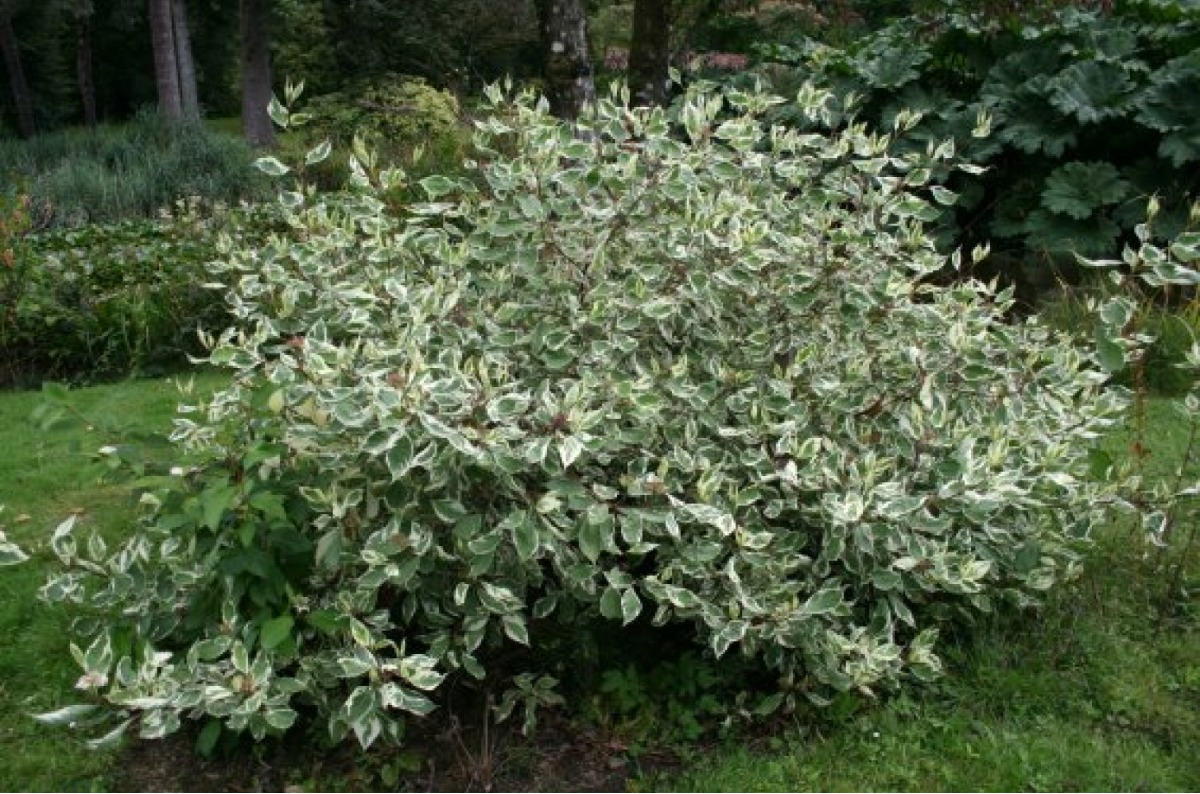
column 1098, row 691
column 45, row 476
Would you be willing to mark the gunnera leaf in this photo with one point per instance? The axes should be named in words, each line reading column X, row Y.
column 1172, row 100
column 1079, row 189
column 1094, row 236
column 1092, row 91
column 1035, row 125
column 1171, row 105
column 892, row 66
column 1182, row 146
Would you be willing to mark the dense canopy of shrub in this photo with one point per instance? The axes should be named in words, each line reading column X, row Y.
column 686, row 371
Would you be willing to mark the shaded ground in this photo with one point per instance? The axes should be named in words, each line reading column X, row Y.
column 560, row 757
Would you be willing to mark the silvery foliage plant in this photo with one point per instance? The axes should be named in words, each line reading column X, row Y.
column 672, row 368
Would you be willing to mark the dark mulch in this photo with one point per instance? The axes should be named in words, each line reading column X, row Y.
column 446, row 757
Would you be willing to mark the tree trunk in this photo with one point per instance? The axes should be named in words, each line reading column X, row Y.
column 84, row 73
column 256, row 71
column 185, row 63
column 22, row 98
column 166, row 61
column 567, row 66
column 649, row 53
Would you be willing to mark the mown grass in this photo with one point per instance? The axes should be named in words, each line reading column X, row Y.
column 1090, row 695
column 46, row 475
column 1099, row 690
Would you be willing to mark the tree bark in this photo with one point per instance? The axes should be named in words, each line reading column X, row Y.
column 11, row 50
column 649, row 53
column 84, row 72
column 254, row 22
column 185, row 63
column 570, row 84
column 166, row 61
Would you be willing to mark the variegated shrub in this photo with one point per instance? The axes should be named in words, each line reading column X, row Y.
column 684, row 370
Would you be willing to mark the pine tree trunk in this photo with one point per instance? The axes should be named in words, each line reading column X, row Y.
column 649, row 53
column 166, row 62
column 188, row 97
column 254, row 22
column 84, row 72
column 22, row 98
column 570, row 84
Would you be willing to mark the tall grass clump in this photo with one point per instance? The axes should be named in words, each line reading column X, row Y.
column 128, row 171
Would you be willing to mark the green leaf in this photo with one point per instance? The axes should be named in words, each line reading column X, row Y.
column 400, row 458
column 239, row 657
column 110, row 739
column 515, row 628
column 769, row 705
column 1034, row 125
column 276, row 631
column 359, row 662
column 206, row 741
column 591, row 539
column 732, row 632
column 216, row 501
column 280, row 719
column 1109, row 351
column 1053, row 232
column 892, row 66
column 524, row 529
column 1028, row 555
column 1079, row 189
column 1092, row 91
column 610, row 603
column 436, row 186
column 631, row 606
column 823, row 601
column 713, row 516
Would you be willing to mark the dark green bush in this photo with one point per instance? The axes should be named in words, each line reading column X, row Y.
column 107, row 300
column 1089, row 114
column 398, row 117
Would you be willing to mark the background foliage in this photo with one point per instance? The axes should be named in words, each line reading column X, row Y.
column 1089, row 111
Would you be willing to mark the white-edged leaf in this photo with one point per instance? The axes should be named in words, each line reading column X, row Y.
column 271, row 166
column 67, row 715
column 109, row 739
column 631, row 606
column 10, row 553
column 823, row 601
column 318, row 153
column 569, row 450
column 515, row 628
